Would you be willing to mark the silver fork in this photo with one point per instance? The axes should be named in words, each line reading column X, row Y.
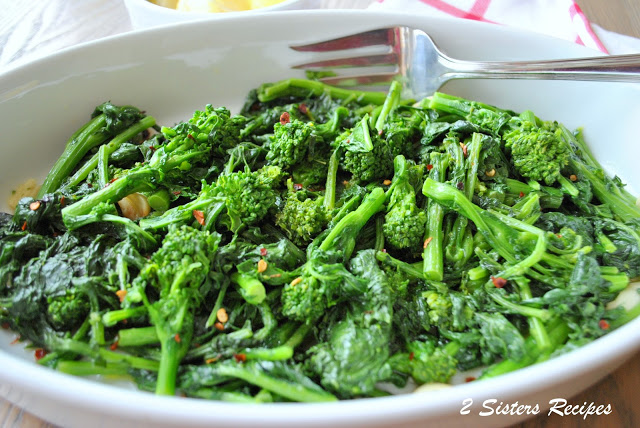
column 413, row 58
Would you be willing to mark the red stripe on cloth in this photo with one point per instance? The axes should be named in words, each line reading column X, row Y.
column 575, row 10
column 445, row 7
column 480, row 7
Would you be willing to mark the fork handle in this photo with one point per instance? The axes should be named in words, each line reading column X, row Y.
column 617, row 68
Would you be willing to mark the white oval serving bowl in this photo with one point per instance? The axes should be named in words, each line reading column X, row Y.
column 174, row 70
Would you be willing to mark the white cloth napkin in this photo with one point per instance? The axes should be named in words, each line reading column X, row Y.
column 559, row 18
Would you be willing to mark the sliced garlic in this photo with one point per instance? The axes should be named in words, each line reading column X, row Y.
column 134, row 206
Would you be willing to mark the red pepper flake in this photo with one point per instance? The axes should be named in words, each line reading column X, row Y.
column 411, row 356
column 348, row 141
column 89, row 185
column 498, row 281
column 558, row 235
column 263, row 252
column 460, row 185
column 426, row 242
column 211, row 360
column 34, row 206
column 177, row 192
column 469, row 379
column 24, row 226
column 240, row 358
column 121, row 294
column 177, row 338
column 380, row 132
column 62, row 201
column 429, row 167
column 603, row 324
column 285, row 118
column 303, row 108
column 114, row 346
column 199, row 216
column 464, row 149
column 112, row 180
column 16, row 340
column 191, row 137
column 152, row 148
column 125, row 321
column 298, row 186
column 384, row 250
column 522, row 194
column 39, row 353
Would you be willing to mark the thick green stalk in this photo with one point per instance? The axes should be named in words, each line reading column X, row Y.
column 332, row 176
column 135, row 181
column 392, row 100
column 432, row 254
column 251, row 288
column 76, row 148
column 351, row 223
column 103, row 167
column 110, row 147
column 558, row 333
column 139, row 336
column 170, row 357
column 303, row 87
column 253, row 374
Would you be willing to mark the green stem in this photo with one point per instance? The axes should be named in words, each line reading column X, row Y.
column 89, row 137
column 254, row 375
column 332, row 177
column 103, row 166
column 135, row 181
column 110, row 147
column 168, row 369
column 250, row 288
column 139, row 336
column 390, row 102
column 351, row 224
column 304, row 87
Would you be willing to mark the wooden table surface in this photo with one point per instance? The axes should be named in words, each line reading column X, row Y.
column 621, row 389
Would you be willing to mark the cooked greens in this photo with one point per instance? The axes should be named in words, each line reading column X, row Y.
column 322, row 244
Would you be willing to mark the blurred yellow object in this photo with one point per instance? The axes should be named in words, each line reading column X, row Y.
column 166, row 3
column 216, row 6
column 257, row 4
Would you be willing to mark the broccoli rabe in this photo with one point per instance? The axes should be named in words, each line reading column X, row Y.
column 176, row 272
column 404, row 222
column 320, row 245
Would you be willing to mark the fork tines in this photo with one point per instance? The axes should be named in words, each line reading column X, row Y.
column 382, row 36
column 382, row 67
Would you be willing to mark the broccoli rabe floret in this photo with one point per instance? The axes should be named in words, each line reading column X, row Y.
column 303, row 216
column 289, row 143
column 367, row 157
column 404, row 223
column 324, row 280
column 537, row 152
column 68, row 310
column 249, row 195
column 239, row 199
column 176, row 270
column 427, row 362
